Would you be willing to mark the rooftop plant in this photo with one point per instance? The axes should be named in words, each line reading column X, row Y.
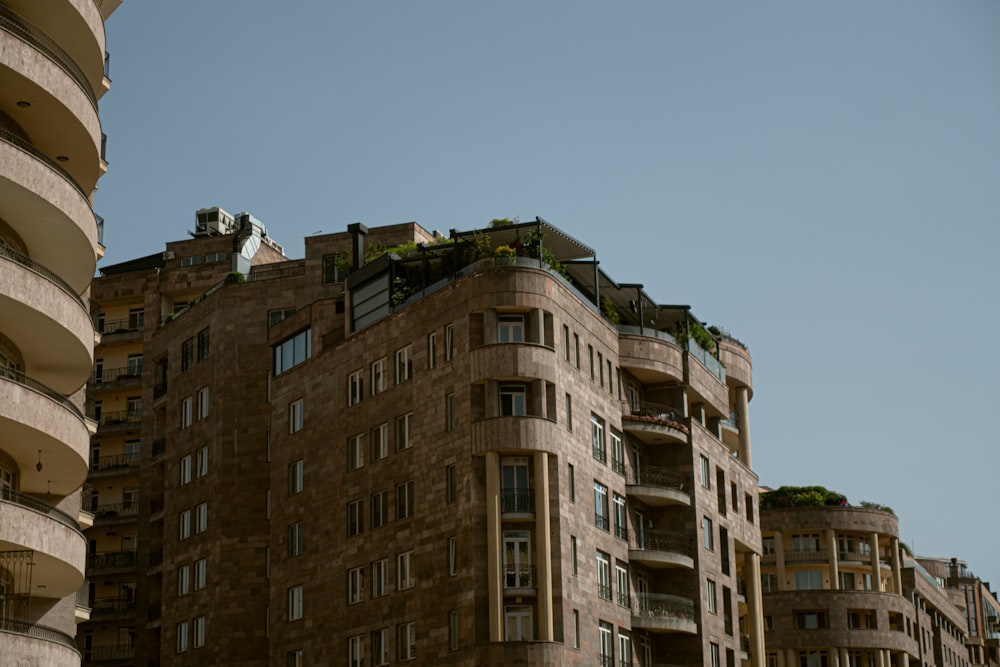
column 801, row 496
column 867, row 504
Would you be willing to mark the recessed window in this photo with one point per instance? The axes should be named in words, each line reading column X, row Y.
column 449, row 342
column 203, row 403
column 355, row 585
column 295, row 603
column 711, row 598
column 406, row 641
column 201, row 458
column 378, row 379
column 355, row 517
column 198, row 625
column 513, row 400
column 296, row 415
column 355, row 387
column 806, row 580
column 296, row 477
column 203, row 341
column 511, row 329
column 450, row 484
column 404, row 500
column 453, row 631
column 184, row 524
column 449, row 412
column 380, row 509
column 201, row 518
column 405, row 575
column 603, row 575
column 452, row 556
column 187, row 354
column 707, row 533
column 597, row 438
column 810, row 620
column 380, row 442
column 200, row 574
column 380, row 647
column 292, row 351
column 183, row 580
column 617, row 452
column 296, row 539
column 356, row 451
column 432, row 350
column 356, row 651
column 404, row 364
column 621, row 520
column 601, row 519
column 380, row 578
column 185, row 467
column 187, row 411
column 706, row 480
column 182, row 637
column 404, row 431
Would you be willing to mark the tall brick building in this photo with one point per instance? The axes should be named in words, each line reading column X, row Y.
column 476, row 449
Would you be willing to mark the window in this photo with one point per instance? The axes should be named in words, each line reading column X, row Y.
column 621, row 520
column 404, row 364
column 601, row 506
column 182, row 637
column 768, row 582
column 212, row 257
column 378, row 376
column 184, row 523
column 292, row 351
column 200, row 573
column 706, row 481
column 734, row 494
column 597, row 438
column 295, row 603
column 355, row 387
column 187, row 411
column 806, row 580
column 331, row 272
column 199, row 631
column 380, row 442
column 603, row 575
column 136, row 318
column 404, row 571
column 576, row 347
column 617, row 453
column 805, row 543
column 355, row 585
column 380, row 646
column 355, row 517
column 404, row 500
column 432, row 344
column 191, row 260
column 513, row 400
column 296, row 415
column 296, row 477
column 605, row 631
column 724, row 550
column 203, row 403
column 404, row 431
column 565, row 342
column 134, row 367
column 518, row 623
column 449, row 484
column 183, row 580
column 380, row 577
column 187, row 354
column 624, row 648
column 201, row 518
column 572, row 555
column 711, row 601
column 511, row 329
column 571, row 482
column 707, row 534
column 600, row 367
column 201, row 457
column 720, row 489
column 813, row 658
column 861, row 619
column 380, row 509
column 848, row 582
column 294, row 658
column 406, row 641
column 453, row 631
column 768, row 623
column 296, row 540
column 621, row 581
column 356, row 651
column 576, row 628
column 203, row 339
column 518, row 571
column 569, row 413
column 715, row 659
column 590, row 354
column 449, row 342
column 356, row 452
column 185, row 469
column 275, row 316
column 449, row 412
column 748, row 503
column 452, row 556
column 810, row 620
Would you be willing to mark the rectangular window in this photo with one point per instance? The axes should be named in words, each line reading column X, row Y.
column 707, row 533
column 449, row 342
column 576, row 628
column 603, row 575
column 275, row 316
column 185, row 469
column 296, row 477
column 295, row 603
column 380, row 647
column 768, row 582
column 569, row 413
column 513, row 401
column 805, row 543
column 203, row 403
column 590, row 355
column 576, row 347
column 134, row 367
column 136, row 319
column 405, row 571
column 201, row 518
column 296, row 540
column 331, row 272
column 200, row 574
column 380, row 577
column 748, row 503
column 406, row 641
column 574, row 562
column 621, row 581
column 404, row 431
column 184, row 524
column 449, row 412
column 356, row 651
column 380, row 509
column 356, row 451
column 203, row 339
column 720, row 489
column 605, row 632
column 404, row 500
column 380, row 442
column 565, row 341
column 510, row 329
column 706, row 480
column 711, row 600
column 378, row 379
column 453, row 631
column 199, row 631
column 813, row 658
column 355, row 387
column 452, row 556
column 810, row 620
column 600, row 368
column 355, row 517
column 597, row 438
column 715, row 659
column 182, row 637
column 183, row 580
column 356, row 585
column 617, row 453
column 571, row 483
column 450, row 490
column 296, row 415
column 808, row 580
column 404, row 364
column 432, row 343
column 187, row 411
column 621, row 518
column 624, row 648
column 201, row 457
column 187, row 354
column 292, row 351
column 294, row 658
column 601, row 519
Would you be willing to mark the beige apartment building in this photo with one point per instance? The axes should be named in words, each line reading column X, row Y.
column 52, row 74
column 450, row 454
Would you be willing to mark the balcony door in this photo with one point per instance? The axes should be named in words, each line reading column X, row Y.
column 517, row 559
column 518, row 623
column 515, row 496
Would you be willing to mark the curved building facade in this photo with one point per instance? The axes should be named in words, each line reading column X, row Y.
column 52, row 73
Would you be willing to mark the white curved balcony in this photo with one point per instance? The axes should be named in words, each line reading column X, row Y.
column 30, row 644
column 49, row 211
column 47, row 322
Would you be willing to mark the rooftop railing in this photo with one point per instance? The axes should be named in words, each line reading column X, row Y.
column 20, row 258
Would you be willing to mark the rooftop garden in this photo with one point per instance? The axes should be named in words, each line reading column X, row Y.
column 812, row 496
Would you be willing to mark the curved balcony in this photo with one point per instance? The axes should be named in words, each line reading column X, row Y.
column 855, row 520
column 111, row 562
column 114, row 466
column 651, row 356
column 511, row 434
column 31, row 644
column 34, row 418
column 513, row 360
column 706, row 377
column 47, row 322
column 116, row 378
column 654, row 424
column 658, row 487
column 29, row 524
column 739, row 365
column 48, row 209
column 661, row 549
column 657, row 612
column 61, row 112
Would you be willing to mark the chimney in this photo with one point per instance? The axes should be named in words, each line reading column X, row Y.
column 358, row 233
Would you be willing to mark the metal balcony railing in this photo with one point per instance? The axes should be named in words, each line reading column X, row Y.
column 20, row 378
column 32, row 503
column 517, row 500
column 602, row 521
column 83, row 595
column 19, row 627
column 659, row 540
column 519, row 576
column 624, row 599
column 20, row 258
column 116, row 418
column 604, row 591
column 110, row 510
column 116, row 374
column 663, row 415
column 810, row 555
column 129, row 325
column 658, row 605
column 26, row 146
column 111, row 559
column 657, row 476
column 108, row 653
column 115, row 461
column 621, row 531
column 862, row 557
column 112, row 605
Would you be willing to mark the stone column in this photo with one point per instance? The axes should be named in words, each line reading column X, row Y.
column 755, row 609
column 779, row 559
column 790, row 660
column 536, row 326
column 876, row 565
column 897, row 576
column 834, row 656
column 743, row 423
column 831, row 547
column 845, row 658
column 543, row 547
column 494, row 546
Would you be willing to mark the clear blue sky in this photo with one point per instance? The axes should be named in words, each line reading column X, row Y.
column 822, row 179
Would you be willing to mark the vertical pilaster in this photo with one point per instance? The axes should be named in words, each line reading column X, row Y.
column 779, row 558
column 831, row 547
column 543, row 547
column 743, row 423
column 897, row 576
column 494, row 546
column 876, row 565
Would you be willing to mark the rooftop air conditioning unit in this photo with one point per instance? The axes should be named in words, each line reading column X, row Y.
column 168, row 254
column 212, row 222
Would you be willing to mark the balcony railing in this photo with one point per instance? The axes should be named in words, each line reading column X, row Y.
column 20, row 258
column 113, row 605
column 19, row 627
column 26, row 146
column 116, row 374
column 604, row 591
column 624, row 599
column 602, row 521
column 108, row 653
column 120, row 417
column 115, row 461
column 862, row 557
column 130, row 325
column 111, row 559
column 812, row 555
column 83, row 595
column 664, row 415
column 713, row 365
column 32, row 503
column 657, row 476
column 20, row 378
column 517, row 500
column 111, row 510
column 621, row 531
column 519, row 576
column 660, row 540
column 657, row 605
